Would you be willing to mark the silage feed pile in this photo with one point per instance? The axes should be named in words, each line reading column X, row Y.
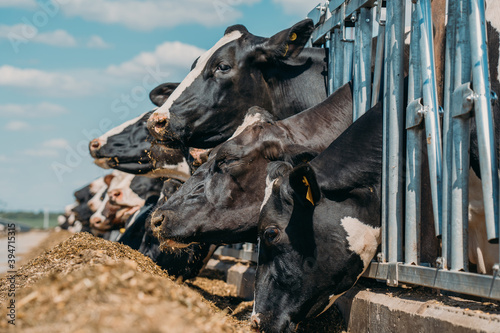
column 87, row 284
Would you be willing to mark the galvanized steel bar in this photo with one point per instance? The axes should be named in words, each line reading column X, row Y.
column 379, row 64
column 414, row 117
column 462, row 101
column 362, row 63
column 331, row 61
column 337, row 16
column 483, row 116
column 429, row 91
column 338, row 59
column 460, row 282
column 449, row 87
column 392, row 178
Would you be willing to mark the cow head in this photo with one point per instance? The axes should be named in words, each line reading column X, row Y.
column 211, row 102
column 128, row 147
column 220, row 202
column 319, row 227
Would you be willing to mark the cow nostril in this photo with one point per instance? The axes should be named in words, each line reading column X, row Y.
column 255, row 321
column 95, row 144
column 157, row 220
column 160, row 124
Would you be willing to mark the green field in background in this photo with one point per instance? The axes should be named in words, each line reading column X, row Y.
column 32, row 219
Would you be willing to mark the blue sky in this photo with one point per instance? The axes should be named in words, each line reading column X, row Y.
column 72, row 69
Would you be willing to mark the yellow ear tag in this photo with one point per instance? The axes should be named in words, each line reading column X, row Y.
column 309, row 195
column 286, row 50
column 293, row 36
column 122, row 230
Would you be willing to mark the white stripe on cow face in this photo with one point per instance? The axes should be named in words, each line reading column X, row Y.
column 164, row 110
column 118, row 129
column 362, row 238
column 122, row 182
column 493, row 16
column 248, row 121
column 97, row 185
column 268, row 191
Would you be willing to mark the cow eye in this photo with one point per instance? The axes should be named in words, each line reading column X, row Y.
column 271, row 234
column 222, row 67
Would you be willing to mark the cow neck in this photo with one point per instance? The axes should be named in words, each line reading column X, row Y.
column 299, row 84
column 318, row 126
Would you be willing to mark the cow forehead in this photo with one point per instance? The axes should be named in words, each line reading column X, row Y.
column 196, row 72
column 121, row 181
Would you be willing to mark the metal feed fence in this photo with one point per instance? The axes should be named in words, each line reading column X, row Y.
column 347, row 28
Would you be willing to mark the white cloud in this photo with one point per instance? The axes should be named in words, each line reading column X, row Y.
column 39, row 110
column 173, row 56
column 96, row 42
column 16, row 125
column 20, row 34
column 48, row 83
column 41, row 152
column 298, row 7
column 30, row 4
column 151, row 14
column 56, row 143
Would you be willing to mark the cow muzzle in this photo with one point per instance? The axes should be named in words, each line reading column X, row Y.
column 94, row 146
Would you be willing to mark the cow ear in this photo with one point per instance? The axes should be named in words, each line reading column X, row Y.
column 108, row 179
column 236, row 27
column 161, row 93
column 272, row 150
column 303, row 182
column 287, row 43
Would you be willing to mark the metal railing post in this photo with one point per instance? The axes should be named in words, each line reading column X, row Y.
column 483, row 117
column 362, row 63
column 414, row 117
column 429, row 92
column 462, row 101
column 449, row 87
column 338, row 58
column 393, row 177
column 379, row 57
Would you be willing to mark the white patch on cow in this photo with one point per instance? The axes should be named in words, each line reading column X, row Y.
column 248, row 121
column 95, row 202
column 480, row 251
column 98, row 213
column 164, row 110
column 268, row 191
column 118, row 129
column 97, row 185
column 493, row 16
column 362, row 238
column 180, row 171
column 122, row 182
column 68, row 209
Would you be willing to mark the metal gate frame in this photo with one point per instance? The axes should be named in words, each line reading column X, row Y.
column 466, row 56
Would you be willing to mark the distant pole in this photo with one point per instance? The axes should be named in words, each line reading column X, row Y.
column 46, row 218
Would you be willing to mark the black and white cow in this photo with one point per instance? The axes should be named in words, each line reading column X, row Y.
column 319, row 227
column 125, row 196
column 220, row 202
column 240, row 71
